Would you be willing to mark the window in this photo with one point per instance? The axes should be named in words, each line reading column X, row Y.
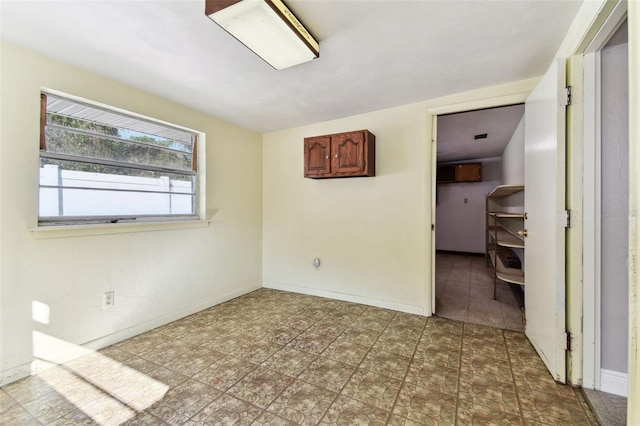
column 99, row 165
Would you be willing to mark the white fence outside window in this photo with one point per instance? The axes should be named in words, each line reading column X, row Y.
column 111, row 194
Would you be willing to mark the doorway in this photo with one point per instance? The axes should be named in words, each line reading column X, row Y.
column 606, row 225
column 606, row 159
column 544, row 144
column 477, row 151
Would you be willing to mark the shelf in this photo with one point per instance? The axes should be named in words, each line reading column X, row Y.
column 507, row 215
column 500, row 233
column 504, row 273
column 505, row 190
column 506, row 238
column 510, row 278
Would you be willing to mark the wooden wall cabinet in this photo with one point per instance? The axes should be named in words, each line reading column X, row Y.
column 454, row 173
column 350, row 154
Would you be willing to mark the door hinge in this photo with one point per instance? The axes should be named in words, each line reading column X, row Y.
column 567, row 341
column 565, row 219
column 433, row 227
column 565, row 96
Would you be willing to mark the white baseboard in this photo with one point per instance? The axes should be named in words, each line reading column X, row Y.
column 410, row 309
column 15, row 374
column 25, row 370
column 614, row 382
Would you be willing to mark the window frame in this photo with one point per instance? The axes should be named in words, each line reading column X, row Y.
column 125, row 221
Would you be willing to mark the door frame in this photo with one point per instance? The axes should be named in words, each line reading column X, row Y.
column 633, row 25
column 591, row 136
column 509, row 94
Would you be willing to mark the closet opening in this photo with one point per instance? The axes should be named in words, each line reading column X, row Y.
column 477, row 152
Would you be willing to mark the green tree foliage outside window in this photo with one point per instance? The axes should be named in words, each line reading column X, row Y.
column 106, row 143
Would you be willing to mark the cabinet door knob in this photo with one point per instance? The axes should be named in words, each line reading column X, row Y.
column 326, row 157
column 336, row 155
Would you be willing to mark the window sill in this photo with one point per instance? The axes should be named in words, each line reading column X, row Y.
column 66, row 231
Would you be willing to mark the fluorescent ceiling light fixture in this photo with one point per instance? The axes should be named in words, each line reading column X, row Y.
column 268, row 28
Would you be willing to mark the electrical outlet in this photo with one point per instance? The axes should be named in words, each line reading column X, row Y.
column 108, row 299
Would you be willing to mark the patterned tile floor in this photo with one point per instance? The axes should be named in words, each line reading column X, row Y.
column 464, row 292
column 277, row 358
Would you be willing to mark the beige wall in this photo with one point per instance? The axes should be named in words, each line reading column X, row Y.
column 367, row 232
column 373, row 235
column 158, row 275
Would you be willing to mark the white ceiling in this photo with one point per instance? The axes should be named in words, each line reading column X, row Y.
column 373, row 54
column 456, row 133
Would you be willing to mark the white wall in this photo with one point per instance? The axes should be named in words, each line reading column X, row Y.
column 513, row 158
column 513, row 169
column 615, row 207
column 157, row 276
column 461, row 226
column 633, row 20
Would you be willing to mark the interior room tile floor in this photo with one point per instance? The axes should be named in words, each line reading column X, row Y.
column 610, row 410
column 278, row 358
column 464, row 292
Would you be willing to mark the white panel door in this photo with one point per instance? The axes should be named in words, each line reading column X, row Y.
column 544, row 204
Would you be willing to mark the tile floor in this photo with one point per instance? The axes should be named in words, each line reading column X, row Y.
column 278, row 358
column 464, row 292
column 610, row 410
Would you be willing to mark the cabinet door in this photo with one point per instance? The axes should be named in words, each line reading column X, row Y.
column 317, row 156
column 446, row 173
column 347, row 154
column 470, row 172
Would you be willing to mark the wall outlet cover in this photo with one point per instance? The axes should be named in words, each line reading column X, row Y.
column 108, row 299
